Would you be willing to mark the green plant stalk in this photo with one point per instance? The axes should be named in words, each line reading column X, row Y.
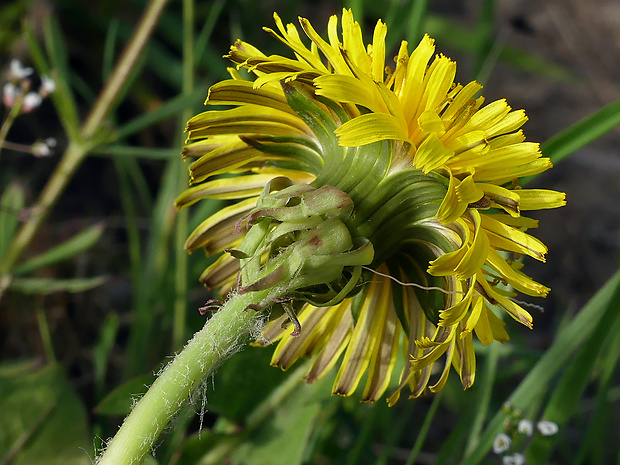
column 221, row 337
column 181, row 232
column 8, row 122
column 77, row 150
column 428, row 421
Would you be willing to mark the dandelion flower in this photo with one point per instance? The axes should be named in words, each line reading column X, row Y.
column 431, row 174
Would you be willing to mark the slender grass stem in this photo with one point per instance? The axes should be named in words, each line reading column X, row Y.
column 77, row 150
column 8, row 122
column 108, row 96
column 221, row 336
column 428, row 420
column 181, row 232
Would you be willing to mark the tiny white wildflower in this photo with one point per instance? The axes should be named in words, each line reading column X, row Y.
column 51, row 142
column 32, row 100
column 501, row 443
column 514, row 459
column 547, row 428
column 48, row 85
column 9, row 94
column 41, row 149
column 525, row 427
column 17, row 71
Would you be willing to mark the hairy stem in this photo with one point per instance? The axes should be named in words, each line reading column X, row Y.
column 221, row 336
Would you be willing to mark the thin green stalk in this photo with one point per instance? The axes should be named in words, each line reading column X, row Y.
column 221, row 336
column 46, row 336
column 181, row 232
column 77, row 150
column 107, row 98
column 55, row 186
column 484, row 397
column 428, row 420
column 417, row 15
column 8, row 122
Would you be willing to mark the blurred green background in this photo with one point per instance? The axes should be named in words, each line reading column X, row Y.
column 104, row 293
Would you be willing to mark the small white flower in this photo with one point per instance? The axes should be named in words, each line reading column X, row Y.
column 41, row 149
column 525, row 427
column 17, row 71
column 50, row 142
column 47, row 86
column 501, row 443
column 547, row 428
column 9, row 94
column 514, row 459
column 31, row 101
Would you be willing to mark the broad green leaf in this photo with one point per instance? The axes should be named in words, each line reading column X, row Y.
column 43, row 421
column 564, row 400
column 70, row 248
column 567, row 341
column 582, row 133
column 11, row 205
column 46, row 286
column 258, row 380
column 272, row 444
column 121, row 400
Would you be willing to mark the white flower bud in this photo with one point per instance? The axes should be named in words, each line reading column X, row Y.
column 32, row 100
column 547, row 428
column 514, row 459
column 17, row 71
column 41, row 149
column 9, row 94
column 525, row 427
column 501, row 443
column 50, row 142
column 47, row 86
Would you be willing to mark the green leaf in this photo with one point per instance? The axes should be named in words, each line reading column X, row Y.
column 70, row 248
column 272, row 444
column 564, row 401
column 257, row 381
column 137, row 152
column 43, row 421
column 11, row 205
column 121, row 400
column 171, row 108
column 452, row 34
column 582, row 133
column 567, row 341
column 102, row 350
column 63, row 98
column 46, row 286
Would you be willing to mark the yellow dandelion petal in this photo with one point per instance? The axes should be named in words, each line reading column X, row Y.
column 377, row 201
column 539, row 199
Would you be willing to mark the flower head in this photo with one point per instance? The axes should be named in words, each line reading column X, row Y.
column 501, row 443
column 432, row 176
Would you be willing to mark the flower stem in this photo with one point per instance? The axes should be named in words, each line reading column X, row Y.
column 221, row 336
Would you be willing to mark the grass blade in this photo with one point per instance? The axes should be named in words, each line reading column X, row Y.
column 565, row 344
column 70, row 248
column 582, row 133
